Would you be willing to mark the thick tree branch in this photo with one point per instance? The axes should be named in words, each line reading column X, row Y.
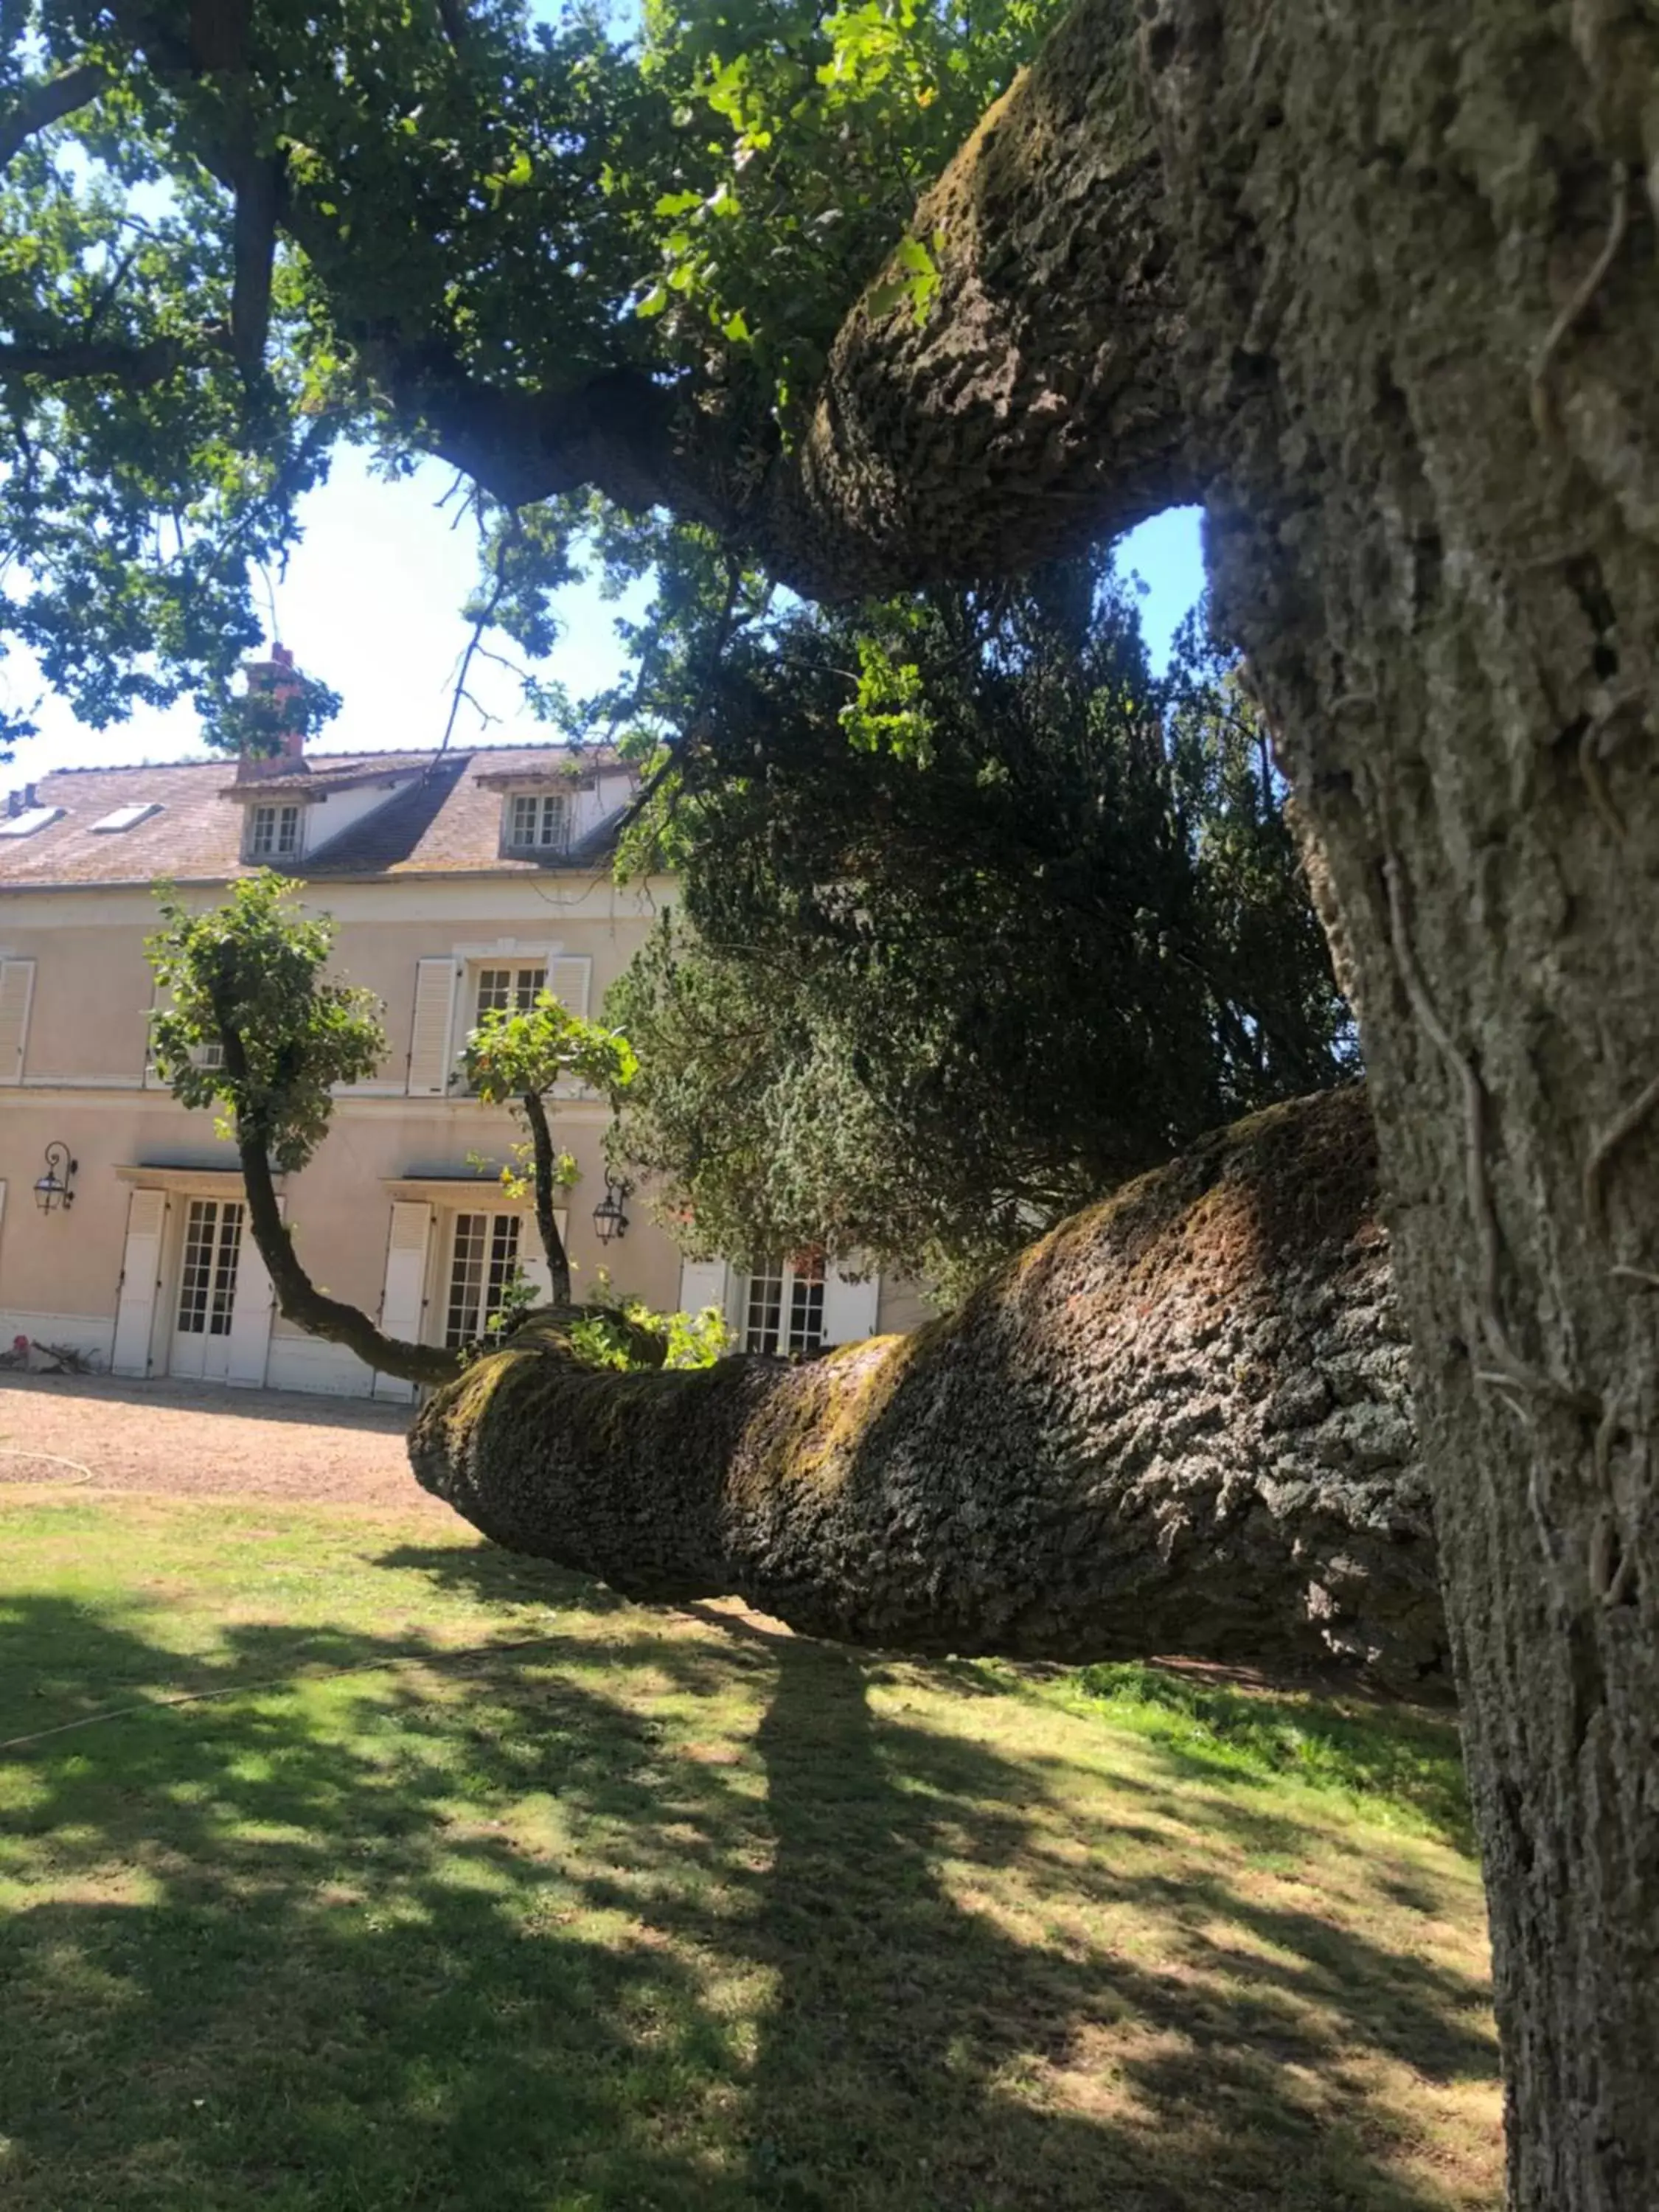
column 44, row 104
column 1031, row 406
column 1080, row 1463
column 254, row 245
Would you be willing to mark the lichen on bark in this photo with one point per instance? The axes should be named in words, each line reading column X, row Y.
column 1180, row 1422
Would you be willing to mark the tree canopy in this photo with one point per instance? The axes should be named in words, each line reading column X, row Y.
column 977, row 919
column 250, row 1021
column 233, row 237
column 1374, row 281
column 515, row 1057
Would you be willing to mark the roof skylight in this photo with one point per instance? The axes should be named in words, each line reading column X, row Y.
column 128, row 818
column 31, row 819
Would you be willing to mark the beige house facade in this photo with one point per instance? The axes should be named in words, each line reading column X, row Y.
column 456, row 882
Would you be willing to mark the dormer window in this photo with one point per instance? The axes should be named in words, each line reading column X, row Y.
column 538, row 822
column 273, row 832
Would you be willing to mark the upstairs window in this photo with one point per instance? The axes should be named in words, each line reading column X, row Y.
column 510, row 990
column 538, row 822
column 273, row 833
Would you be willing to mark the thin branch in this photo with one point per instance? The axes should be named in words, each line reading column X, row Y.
column 101, row 306
column 49, row 103
column 500, row 660
column 319, row 432
column 725, row 628
column 485, row 616
column 136, row 366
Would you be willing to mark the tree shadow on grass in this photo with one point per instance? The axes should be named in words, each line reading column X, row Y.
column 912, row 2034
column 645, row 1917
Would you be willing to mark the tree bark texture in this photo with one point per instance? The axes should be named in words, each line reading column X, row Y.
column 1417, row 246
column 1181, row 1423
column 1407, row 348
column 1034, row 406
column 1404, row 257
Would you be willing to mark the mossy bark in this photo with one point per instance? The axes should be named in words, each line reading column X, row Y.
column 1418, row 256
column 1178, row 1424
column 1404, row 260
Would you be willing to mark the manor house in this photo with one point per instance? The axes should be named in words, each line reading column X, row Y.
column 458, row 881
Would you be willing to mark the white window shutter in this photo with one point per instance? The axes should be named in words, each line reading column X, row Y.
column 17, row 996
column 431, row 1053
column 850, row 1307
column 702, row 1282
column 567, row 979
column 403, row 1302
column 134, row 1311
column 250, row 1314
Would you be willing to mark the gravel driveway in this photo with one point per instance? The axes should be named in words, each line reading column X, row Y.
column 181, row 1438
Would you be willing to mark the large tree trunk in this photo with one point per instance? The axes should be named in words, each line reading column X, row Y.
column 1180, row 1422
column 1418, row 260
column 1405, row 342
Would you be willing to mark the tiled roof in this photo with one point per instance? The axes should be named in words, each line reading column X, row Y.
column 442, row 822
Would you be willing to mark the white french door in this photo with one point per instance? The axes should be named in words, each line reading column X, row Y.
column 209, row 1261
column 484, row 1258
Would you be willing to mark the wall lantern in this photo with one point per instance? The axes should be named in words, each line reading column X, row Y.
column 609, row 1218
column 56, row 1187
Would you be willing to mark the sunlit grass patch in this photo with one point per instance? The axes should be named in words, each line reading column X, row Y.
column 478, row 1889
column 1400, row 1764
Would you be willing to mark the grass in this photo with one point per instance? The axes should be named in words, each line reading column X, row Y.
column 662, row 1913
column 1403, row 1768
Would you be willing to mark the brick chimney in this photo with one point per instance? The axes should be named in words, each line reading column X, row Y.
column 278, row 680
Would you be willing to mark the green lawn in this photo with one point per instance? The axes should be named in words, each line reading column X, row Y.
column 663, row 1910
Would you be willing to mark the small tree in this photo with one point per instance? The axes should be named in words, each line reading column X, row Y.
column 519, row 1060
column 247, row 976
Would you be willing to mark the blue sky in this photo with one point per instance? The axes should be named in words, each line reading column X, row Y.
column 371, row 603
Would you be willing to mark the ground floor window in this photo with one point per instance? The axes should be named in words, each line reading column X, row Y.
column 783, row 1309
column 206, row 1272
column 483, row 1260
